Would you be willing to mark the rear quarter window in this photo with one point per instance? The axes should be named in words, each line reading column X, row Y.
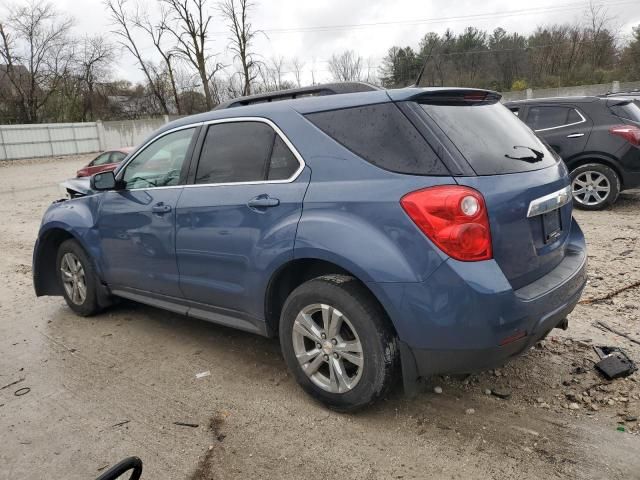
column 491, row 138
column 628, row 111
column 381, row 135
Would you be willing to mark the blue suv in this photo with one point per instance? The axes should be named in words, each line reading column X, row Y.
column 378, row 234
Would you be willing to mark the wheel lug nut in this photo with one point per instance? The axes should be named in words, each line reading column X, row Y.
column 326, row 357
column 323, row 336
column 318, row 346
column 334, row 341
column 335, row 355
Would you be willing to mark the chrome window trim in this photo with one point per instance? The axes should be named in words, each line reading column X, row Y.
column 276, row 129
column 549, row 202
column 566, row 124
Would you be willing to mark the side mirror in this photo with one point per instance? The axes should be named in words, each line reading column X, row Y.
column 103, row 181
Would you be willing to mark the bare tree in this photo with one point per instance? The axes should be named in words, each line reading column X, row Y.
column 36, row 50
column 298, row 65
column 191, row 30
column 276, row 66
column 601, row 39
column 242, row 34
column 156, row 31
column 346, row 67
column 124, row 23
column 93, row 57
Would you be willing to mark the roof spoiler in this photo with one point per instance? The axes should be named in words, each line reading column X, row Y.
column 457, row 97
column 312, row 91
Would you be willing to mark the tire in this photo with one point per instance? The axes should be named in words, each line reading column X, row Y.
column 594, row 176
column 71, row 256
column 357, row 319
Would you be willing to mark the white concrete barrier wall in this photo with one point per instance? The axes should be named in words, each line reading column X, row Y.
column 54, row 139
column 581, row 90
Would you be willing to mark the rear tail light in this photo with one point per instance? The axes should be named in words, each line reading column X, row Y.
column 630, row 133
column 454, row 218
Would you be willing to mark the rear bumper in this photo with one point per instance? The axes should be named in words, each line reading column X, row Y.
column 430, row 362
column 464, row 317
column 630, row 180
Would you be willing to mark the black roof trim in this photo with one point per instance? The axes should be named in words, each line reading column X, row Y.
column 312, row 91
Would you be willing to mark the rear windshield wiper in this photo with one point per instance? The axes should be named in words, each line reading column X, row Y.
column 538, row 155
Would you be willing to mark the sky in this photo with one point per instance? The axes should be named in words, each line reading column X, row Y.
column 314, row 30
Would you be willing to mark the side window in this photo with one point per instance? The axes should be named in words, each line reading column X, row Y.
column 381, row 135
column 283, row 162
column 540, row 118
column 160, row 163
column 101, row 159
column 244, row 152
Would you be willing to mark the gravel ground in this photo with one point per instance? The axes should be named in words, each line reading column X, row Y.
column 111, row 386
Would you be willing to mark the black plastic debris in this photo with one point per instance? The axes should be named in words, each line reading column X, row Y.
column 614, row 362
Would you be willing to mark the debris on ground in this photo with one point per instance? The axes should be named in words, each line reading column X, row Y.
column 22, row 391
column 469, row 411
column 616, row 331
column 203, row 374
column 119, row 424
column 503, row 393
column 184, row 424
column 614, row 363
column 12, row 383
column 437, row 390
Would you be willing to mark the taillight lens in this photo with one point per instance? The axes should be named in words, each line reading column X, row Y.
column 454, row 218
column 630, row 133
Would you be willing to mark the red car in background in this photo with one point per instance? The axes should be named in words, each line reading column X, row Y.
column 104, row 162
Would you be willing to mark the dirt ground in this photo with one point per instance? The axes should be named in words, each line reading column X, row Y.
column 107, row 387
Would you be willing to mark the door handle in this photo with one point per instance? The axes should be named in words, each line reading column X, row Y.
column 161, row 208
column 263, row 201
column 575, row 135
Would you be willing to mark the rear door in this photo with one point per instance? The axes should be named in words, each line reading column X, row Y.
column 238, row 218
column 513, row 168
column 564, row 127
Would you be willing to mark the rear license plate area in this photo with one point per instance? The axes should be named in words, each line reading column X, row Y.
column 551, row 225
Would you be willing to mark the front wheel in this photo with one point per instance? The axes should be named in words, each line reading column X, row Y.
column 594, row 186
column 337, row 342
column 77, row 278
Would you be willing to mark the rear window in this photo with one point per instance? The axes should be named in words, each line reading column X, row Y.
column 629, row 111
column 381, row 135
column 491, row 138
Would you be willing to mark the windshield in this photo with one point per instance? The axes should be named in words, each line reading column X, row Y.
column 491, row 138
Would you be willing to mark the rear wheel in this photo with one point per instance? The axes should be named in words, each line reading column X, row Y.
column 337, row 342
column 77, row 278
column 595, row 186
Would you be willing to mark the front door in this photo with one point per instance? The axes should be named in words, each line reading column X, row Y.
column 136, row 224
column 563, row 127
column 238, row 220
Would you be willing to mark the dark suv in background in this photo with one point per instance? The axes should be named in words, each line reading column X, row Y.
column 597, row 137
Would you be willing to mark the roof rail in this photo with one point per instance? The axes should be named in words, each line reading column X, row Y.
column 312, row 91
column 634, row 92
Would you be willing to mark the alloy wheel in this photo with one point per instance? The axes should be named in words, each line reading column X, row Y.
column 590, row 188
column 328, row 348
column 73, row 278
